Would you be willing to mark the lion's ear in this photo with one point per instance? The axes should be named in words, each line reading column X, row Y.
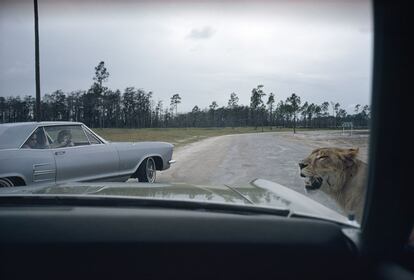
column 353, row 152
column 350, row 156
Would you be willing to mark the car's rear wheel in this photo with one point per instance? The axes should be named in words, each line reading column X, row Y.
column 5, row 182
column 147, row 171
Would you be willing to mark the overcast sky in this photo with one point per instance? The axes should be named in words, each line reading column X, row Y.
column 321, row 50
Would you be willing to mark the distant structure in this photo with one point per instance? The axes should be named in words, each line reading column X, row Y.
column 347, row 125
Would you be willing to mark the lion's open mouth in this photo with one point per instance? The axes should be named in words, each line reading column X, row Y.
column 313, row 183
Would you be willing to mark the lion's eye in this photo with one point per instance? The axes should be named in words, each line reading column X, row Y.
column 322, row 157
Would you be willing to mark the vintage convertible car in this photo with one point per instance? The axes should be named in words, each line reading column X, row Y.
column 34, row 153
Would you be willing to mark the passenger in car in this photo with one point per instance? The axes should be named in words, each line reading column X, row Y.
column 36, row 141
column 31, row 143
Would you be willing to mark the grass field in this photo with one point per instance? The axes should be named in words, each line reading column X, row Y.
column 176, row 136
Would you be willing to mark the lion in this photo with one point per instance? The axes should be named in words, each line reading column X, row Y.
column 340, row 174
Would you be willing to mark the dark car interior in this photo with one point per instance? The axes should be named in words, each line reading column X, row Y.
column 58, row 238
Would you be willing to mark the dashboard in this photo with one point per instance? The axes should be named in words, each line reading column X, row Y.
column 47, row 241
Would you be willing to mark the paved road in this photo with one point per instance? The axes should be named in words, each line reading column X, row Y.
column 239, row 159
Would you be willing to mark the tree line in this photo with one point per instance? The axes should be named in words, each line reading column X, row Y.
column 102, row 107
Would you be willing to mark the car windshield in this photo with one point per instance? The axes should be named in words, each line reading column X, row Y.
column 265, row 103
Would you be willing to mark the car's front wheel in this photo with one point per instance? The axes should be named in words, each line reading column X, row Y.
column 147, row 171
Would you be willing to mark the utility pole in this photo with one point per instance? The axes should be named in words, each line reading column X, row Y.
column 37, row 64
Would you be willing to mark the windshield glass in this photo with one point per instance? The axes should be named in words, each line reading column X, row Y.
column 255, row 97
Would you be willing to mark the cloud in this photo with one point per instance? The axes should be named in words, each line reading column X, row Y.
column 201, row 33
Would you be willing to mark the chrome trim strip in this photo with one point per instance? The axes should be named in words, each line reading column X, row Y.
column 172, row 161
column 43, row 180
column 43, row 172
column 41, row 164
column 99, row 179
column 73, row 147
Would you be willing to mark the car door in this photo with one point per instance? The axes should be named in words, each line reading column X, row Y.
column 79, row 160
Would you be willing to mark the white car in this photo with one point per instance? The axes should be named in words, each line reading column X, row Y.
column 34, row 153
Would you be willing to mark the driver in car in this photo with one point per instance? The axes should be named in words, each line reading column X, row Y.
column 64, row 139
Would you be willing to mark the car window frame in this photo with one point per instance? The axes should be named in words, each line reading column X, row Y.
column 93, row 135
column 390, row 84
column 27, row 138
column 78, row 125
column 47, row 136
column 103, row 141
column 83, row 127
column 30, row 135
